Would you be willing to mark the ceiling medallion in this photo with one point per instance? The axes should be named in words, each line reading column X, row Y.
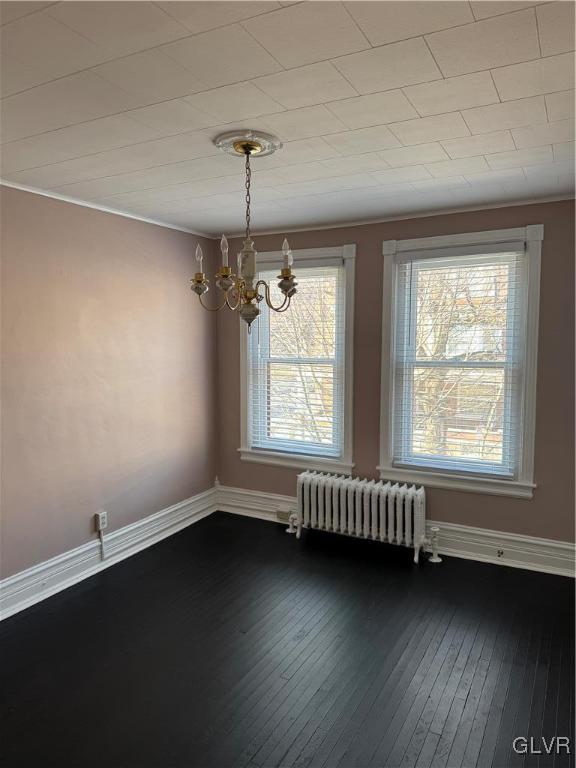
column 253, row 142
column 241, row 294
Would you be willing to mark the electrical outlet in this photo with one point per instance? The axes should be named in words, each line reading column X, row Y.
column 101, row 520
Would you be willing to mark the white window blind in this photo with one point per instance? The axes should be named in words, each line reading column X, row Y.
column 458, row 359
column 296, row 365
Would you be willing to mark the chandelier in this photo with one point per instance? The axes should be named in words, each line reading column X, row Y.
column 240, row 292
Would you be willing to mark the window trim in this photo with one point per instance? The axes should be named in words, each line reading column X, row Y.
column 523, row 486
column 341, row 464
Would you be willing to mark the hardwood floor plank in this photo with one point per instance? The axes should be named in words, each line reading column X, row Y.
column 232, row 645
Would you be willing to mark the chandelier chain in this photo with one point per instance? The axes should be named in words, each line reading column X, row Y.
column 248, row 180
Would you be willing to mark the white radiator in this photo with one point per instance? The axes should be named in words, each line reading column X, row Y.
column 381, row 511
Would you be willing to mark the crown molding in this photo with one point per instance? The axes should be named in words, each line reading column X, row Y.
column 103, row 208
column 406, row 217
column 288, row 230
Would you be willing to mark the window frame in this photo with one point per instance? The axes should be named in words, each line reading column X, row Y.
column 522, row 486
column 342, row 464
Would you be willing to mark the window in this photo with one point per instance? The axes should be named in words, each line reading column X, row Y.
column 297, row 377
column 461, row 357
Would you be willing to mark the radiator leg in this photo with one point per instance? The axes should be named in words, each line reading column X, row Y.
column 298, row 529
column 416, row 554
column 293, row 518
column 434, row 558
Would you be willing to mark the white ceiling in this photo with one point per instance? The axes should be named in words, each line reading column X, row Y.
column 385, row 108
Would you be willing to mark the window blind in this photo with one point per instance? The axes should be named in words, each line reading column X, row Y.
column 458, row 359
column 296, row 365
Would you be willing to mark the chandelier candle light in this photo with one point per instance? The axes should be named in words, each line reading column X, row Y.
column 240, row 292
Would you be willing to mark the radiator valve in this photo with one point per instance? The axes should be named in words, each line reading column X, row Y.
column 435, row 557
column 292, row 519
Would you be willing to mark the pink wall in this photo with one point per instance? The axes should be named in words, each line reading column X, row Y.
column 108, row 374
column 112, row 376
column 550, row 513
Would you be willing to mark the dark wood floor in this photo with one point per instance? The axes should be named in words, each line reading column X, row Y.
column 231, row 644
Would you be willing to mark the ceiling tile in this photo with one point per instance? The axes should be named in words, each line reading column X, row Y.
column 453, row 94
column 307, row 32
column 548, row 133
column 391, row 66
column 66, row 172
column 136, row 133
column 548, row 169
column 16, row 76
column 16, row 9
column 233, row 102
column 118, row 27
column 96, row 189
column 150, row 76
column 421, row 153
column 125, row 159
column 560, row 106
column 302, row 123
column 485, row 44
column 43, row 43
column 509, row 115
column 450, row 182
column 482, row 9
column 565, row 151
column 202, row 16
column 496, row 177
column 305, row 86
column 399, row 175
column 363, row 140
column 473, row 196
column 301, row 151
column 387, row 22
column 72, row 99
column 370, row 161
column 274, row 178
column 519, row 158
column 186, row 190
column 458, row 167
column 222, row 56
column 533, row 78
column 172, row 117
column 188, row 170
column 556, row 27
column 332, row 184
column 426, row 129
column 375, row 109
column 483, row 144
column 299, row 172
column 74, row 141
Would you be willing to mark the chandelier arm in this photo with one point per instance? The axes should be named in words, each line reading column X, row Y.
column 236, row 305
column 237, row 291
column 281, row 307
column 212, row 309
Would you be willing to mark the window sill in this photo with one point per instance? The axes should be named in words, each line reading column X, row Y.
column 489, row 485
column 296, row 461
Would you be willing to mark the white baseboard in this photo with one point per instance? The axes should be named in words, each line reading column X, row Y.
column 45, row 579
column 260, row 504
column 482, row 544
column 511, row 549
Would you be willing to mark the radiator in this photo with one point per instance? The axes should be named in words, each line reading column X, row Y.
column 380, row 511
